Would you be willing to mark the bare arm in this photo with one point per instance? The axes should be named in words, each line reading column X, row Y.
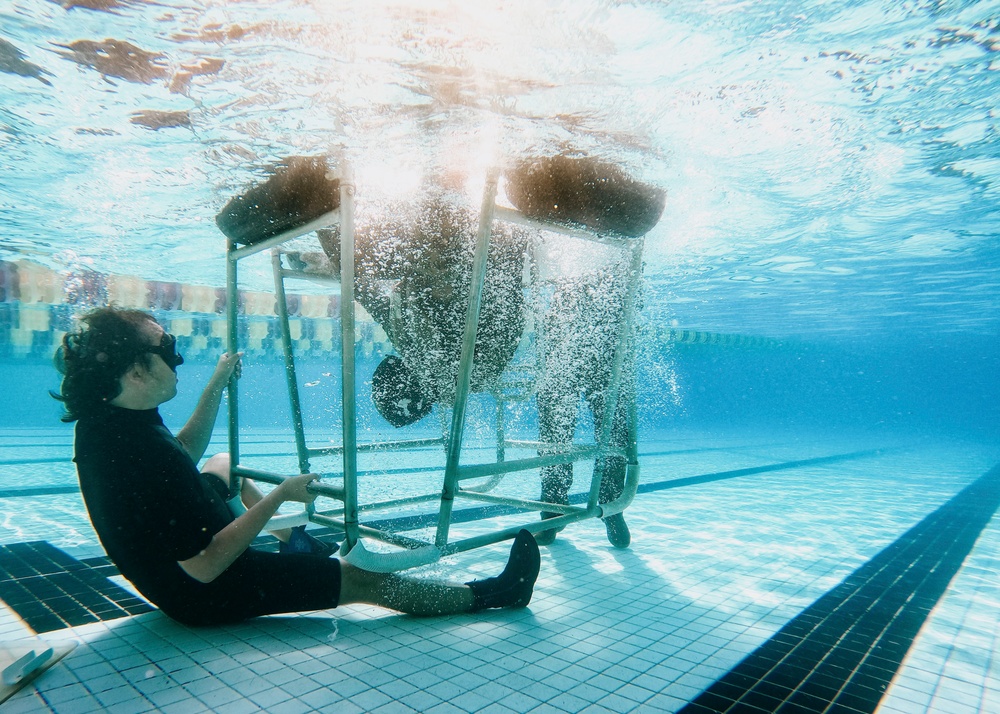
column 229, row 543
column 197, row 432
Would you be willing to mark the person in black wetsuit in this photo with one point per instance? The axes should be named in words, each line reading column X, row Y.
column 413, row 270
column 581, row 333
column 166, row 525
column 412, row 274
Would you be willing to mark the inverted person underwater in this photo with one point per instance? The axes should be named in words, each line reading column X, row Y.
column 413, row 268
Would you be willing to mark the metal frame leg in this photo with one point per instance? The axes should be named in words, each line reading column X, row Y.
column 451, row 474
column 291, row 380
column 348, row 386
column 232, row 342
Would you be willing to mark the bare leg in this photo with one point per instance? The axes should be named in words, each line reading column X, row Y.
column 218, row 465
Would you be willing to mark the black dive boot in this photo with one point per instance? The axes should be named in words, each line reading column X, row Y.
column 548, row 537
column 617, row 530
column 512, row 587
column 302, row 542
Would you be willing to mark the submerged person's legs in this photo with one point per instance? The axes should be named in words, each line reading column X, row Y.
column 261, row 583
column 405, row 594
column 559, row 392
column 609, row 306
column 418, row 596
column 582, row 332
column 556, row 424
column 219, row 466
column 612, row 468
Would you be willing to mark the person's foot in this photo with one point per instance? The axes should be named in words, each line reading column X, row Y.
column 294, row 259
column 514, row 586
column 547, row 537
column 618, row 532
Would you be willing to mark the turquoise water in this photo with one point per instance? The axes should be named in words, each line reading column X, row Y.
column 819, row 341
column 832, row 171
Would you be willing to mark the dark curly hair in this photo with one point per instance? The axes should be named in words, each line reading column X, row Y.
column 93, row 358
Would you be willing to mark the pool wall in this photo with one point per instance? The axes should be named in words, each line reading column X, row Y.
column 944, row 386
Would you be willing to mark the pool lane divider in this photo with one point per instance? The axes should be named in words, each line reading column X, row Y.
column 60, row 490
column 26, row 462
column 736, row 473
column 37, row 304
column 841, row 652
column 478, row 513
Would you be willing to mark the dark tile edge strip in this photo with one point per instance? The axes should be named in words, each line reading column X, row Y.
column 844, row 649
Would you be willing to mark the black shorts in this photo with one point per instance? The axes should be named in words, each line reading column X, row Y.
column 258, row 583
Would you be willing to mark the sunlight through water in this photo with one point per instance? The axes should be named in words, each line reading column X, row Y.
column 824, row 162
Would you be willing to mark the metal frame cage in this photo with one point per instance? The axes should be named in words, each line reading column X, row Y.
column 343, row 487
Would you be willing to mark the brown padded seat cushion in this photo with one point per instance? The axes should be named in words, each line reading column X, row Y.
column 584, row 192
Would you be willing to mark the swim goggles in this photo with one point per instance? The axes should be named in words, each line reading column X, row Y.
column 167, row 349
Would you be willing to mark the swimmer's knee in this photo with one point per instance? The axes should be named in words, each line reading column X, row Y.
column 218, row 465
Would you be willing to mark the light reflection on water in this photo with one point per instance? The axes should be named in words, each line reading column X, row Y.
column 860, row 136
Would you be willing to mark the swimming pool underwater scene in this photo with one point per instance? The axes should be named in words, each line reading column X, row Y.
column 816, row 337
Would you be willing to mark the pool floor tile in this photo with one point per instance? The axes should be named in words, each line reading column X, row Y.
column 735, row 552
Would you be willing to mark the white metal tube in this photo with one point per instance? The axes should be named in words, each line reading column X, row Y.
column 575, row 453
column 232, row 347
column 350, row 439
column 291, row 380
column 468, row 354
column 327, row 219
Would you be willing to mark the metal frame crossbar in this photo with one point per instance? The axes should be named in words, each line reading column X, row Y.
column 411, row 551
